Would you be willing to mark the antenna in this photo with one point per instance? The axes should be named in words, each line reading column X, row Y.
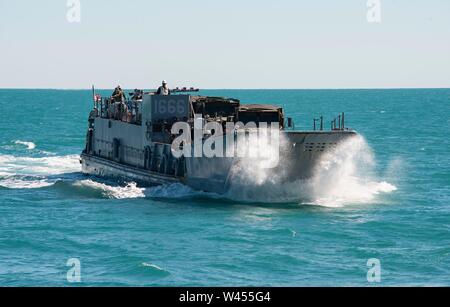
column 93, row 95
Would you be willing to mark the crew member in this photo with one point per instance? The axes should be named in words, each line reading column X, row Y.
column 137, row 95
column 164, row 89
column 118, row 100
column 118, row 95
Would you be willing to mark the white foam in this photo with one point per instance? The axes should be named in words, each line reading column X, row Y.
column 15, row 183
column 250, row 176
column 29, row 145
column 115, row 192
column 131, row 190
column 13, row 165
column 32, row 173
column 342, row 176
column 346, row 175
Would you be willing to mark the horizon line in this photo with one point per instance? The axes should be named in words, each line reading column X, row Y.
column 247, row 89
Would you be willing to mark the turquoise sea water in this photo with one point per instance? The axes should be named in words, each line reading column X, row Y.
column 394, row 206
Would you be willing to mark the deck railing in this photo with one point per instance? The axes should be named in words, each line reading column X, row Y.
column 337, row 124
column 128, row 111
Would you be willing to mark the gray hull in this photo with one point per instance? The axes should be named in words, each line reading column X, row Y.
column 104, row 168
column 298, row 158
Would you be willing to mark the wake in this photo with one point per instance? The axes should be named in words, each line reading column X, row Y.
column 32, row 173
column 63, row 172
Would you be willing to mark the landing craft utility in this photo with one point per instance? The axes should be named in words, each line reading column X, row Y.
column 177, row 137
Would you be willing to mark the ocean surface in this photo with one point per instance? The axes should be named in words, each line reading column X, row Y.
column 384, row 196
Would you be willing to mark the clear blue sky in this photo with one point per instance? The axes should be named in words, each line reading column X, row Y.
column 226, row 44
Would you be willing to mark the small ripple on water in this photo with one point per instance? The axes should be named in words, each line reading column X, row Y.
column 154, row 268
column 28, row 145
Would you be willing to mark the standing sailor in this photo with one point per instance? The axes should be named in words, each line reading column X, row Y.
column 118, row 98
column 163, row 90
column 118, row 95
